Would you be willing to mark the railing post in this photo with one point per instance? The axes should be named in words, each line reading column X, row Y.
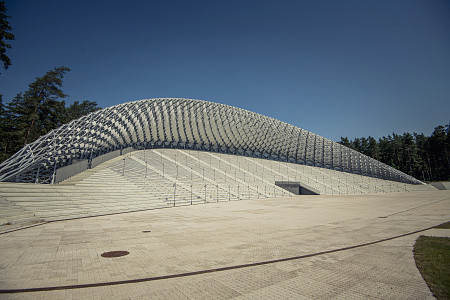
column 174, row 192
column 37, row 174
column 54, row 174
column 145, row 164
column 217, row 189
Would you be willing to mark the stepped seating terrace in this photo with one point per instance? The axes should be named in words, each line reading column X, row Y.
column 158, row 178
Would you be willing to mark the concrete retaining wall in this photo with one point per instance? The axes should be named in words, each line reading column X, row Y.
column 102, row 158
column 78, row 167
column 70, row 170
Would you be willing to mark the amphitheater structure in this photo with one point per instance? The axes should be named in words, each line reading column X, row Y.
column 166, row 152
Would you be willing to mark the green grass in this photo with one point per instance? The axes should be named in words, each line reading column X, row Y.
column 432, row 255
column 444, row 226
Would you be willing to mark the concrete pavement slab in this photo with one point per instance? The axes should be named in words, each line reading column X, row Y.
column 207, row 251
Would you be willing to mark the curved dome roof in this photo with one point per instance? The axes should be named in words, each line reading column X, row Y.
column 191, row 124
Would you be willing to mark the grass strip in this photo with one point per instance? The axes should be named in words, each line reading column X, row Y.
column 432, row 256
column 444, row 226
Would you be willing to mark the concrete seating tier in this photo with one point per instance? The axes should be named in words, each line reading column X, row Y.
column 13, row 214
column 159, row 178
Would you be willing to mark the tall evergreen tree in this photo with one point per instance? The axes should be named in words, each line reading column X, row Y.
column 12, row 128
column 439, row 150
column 37, row 111
column 345, row 142
column 409, row 149
column 3, row 128
column 41, row 105
column 77, row 110
column 373, row 149
column 423, row 170
column 356, row 144
column 5, row 35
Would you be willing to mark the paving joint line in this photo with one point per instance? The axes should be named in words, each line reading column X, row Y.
column 104, row 215
column 399, row 212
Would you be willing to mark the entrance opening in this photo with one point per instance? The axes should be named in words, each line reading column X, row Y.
column 296, row 188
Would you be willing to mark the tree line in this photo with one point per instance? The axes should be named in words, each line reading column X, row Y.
column 424, row 157
column 38, row 110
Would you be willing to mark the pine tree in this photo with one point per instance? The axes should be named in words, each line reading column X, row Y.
column 345, row 142
column 37, row 111
column 77, row 110
column 373, row 149
column 5, row 35
column 12, row 127
column 41, row 102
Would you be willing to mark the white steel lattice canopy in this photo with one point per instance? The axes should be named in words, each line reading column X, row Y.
column 185, row 123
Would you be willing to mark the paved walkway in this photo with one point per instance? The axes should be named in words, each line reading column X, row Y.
column 306, row 247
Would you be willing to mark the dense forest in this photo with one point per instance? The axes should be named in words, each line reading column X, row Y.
column 424, row 157
column 37, row 111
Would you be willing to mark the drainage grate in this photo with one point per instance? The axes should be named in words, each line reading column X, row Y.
column 145, row 231
column 115, row 253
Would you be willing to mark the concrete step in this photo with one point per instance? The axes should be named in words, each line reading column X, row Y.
column 13, row 211
column 19, row 217
column 20, row 198
column 106, row 188
column 438, row 185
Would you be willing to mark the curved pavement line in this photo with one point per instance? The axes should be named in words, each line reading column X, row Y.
column 89, row 285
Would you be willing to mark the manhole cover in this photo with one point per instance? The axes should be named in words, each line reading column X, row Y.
column 115, row 253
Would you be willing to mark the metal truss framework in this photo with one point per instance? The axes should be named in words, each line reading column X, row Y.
column 187, row 124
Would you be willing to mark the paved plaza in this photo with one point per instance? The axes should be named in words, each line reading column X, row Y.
column 303, row 247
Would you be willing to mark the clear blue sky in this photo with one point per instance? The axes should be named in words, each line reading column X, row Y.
column 336, row 68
